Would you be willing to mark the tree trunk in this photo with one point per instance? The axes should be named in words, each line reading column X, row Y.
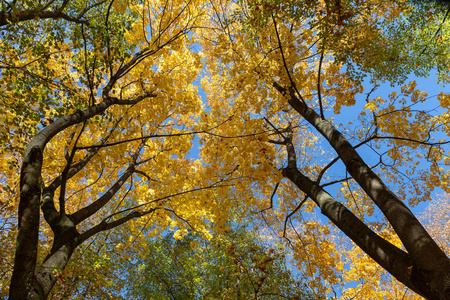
column 47, row 274
column 51, row 269
column 429, row 271
column 22, row 278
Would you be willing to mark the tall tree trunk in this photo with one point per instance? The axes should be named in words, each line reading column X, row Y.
column 65, row 241
column 22, row 279
column 429, row 272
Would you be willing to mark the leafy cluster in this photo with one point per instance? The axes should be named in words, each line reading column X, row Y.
column 233, row 265
column 132, row 130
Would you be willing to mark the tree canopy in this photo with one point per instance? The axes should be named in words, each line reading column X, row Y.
column 235, row 264
column 124, row 120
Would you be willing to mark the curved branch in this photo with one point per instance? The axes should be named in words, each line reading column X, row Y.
column 429, row 260
column 393, row 259
column 319, row 85
column 26, row 15
column 95, row 206
column 103, row 226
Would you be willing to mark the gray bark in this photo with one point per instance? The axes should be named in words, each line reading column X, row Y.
column 23, row 277
column 27, row 237
column 65, row 241
column 429, row 271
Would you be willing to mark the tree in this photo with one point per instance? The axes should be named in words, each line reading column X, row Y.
column 235, row 264
column 100, row 113
column 90, row 91
column 435, row 220
column 283, row 77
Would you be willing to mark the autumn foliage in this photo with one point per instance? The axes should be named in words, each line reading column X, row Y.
column 124, row 120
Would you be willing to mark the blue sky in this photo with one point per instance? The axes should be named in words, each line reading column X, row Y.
column 428, row 85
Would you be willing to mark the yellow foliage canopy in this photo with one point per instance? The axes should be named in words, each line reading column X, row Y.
column 105, row 132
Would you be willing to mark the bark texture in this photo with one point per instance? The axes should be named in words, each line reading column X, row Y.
column 24, row 281
column 424, row 267
column 22, row 278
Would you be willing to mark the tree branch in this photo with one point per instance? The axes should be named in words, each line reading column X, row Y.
column 405, row 224
column 7, row 17
column 394, row 260
column 319, row 88
column 95, row 206
column 103, row 226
